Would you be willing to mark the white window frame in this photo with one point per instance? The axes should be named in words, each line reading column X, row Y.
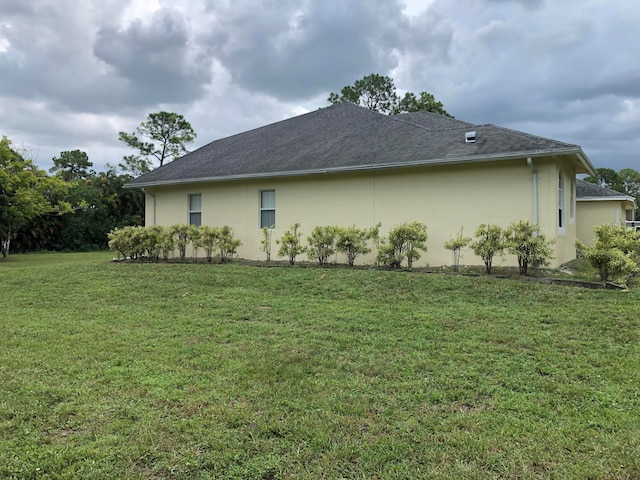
column 572, row 201
column 192, row 211
column 562, row 214
column 267, row 209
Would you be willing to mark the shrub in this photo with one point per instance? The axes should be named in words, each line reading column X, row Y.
column 266, row 242
column 456, row 244
column 615, row 253
column 404, row 242
column 290, row 244
column 352, row 241
column 322, row 244
column 227, row 245
column 524, row 240
column 181, row 237
column 489, row 243
column 208, row 240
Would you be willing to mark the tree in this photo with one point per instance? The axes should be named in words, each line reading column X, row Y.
column 625, row 181
column 426, row 102
column 605, row 177
column 72, row 165
column 524, row 240
column 163, row 135
column 489, row 242
column 377, row 92
column 26, row 192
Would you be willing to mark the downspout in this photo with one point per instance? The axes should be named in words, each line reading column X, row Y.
column 534, row 186
column 154, row 206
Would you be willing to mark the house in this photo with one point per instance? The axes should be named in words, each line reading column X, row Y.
column 597, row 205
column 347, row 165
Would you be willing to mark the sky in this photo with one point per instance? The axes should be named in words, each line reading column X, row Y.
column 75, row 73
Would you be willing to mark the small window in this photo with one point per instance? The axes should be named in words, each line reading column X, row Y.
column 268, row 208
column 561, row 219
column 195, row 209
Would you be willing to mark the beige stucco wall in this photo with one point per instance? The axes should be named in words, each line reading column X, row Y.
column 444, row 198
column 598, row 212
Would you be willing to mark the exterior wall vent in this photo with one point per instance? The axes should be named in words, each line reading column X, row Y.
column 470, row 137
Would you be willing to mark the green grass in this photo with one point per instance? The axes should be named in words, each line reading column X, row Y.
column 233, row 371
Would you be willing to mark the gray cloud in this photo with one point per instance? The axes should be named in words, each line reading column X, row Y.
column 75, row 72
column 294, row 50
column 155, row 58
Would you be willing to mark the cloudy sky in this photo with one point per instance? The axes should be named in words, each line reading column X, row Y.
column 73, row 73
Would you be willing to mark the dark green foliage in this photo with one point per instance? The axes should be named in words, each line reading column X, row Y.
column 164, row 135
column 378, row 92
column 101, row 203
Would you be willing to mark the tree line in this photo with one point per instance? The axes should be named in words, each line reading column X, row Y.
column 72, row 207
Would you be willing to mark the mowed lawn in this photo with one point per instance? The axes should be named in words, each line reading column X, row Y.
column 187, row 371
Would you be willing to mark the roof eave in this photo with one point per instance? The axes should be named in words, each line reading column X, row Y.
column 621, row 198
column 358, row 168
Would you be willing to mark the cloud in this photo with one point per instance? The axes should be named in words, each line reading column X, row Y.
column 154, row 59
column 293, row 50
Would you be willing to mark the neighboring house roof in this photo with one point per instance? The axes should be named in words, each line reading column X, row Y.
column 590, row 192
column 346, row 137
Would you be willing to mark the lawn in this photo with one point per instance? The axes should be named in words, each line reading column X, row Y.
column 151, row 371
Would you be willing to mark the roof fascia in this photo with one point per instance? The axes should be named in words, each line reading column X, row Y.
column 358, row 168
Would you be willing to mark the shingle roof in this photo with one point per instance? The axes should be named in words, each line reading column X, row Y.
column 346, row 137
column 586, row 189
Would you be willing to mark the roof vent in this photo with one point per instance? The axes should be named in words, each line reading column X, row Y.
column 470, row 137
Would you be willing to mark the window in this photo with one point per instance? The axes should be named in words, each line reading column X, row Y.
column 195, row 209
column 572, row 201
column 267, row 208
column 561, row 219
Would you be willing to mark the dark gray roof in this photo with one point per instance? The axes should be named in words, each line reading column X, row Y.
column 586, row 189
column 346, row 137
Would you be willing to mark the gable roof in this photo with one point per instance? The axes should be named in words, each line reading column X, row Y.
column 346, row 137
column 587, row 191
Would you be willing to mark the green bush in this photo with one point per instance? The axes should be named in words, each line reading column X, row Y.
column 322, row 244
column 615, row 253
column 489, row 242
column 291, row 244
column 524, row 240
column 352, row 241
column 404, row 242
column 456, row 245
column 155, row 241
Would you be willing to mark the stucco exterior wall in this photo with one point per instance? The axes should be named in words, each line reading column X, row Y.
column 594, row 212
column 445, row 198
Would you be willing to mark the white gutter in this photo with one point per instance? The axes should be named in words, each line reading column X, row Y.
column 357, row 168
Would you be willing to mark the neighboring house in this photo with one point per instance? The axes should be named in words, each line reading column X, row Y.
column 597, row 205
column 346, row 165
